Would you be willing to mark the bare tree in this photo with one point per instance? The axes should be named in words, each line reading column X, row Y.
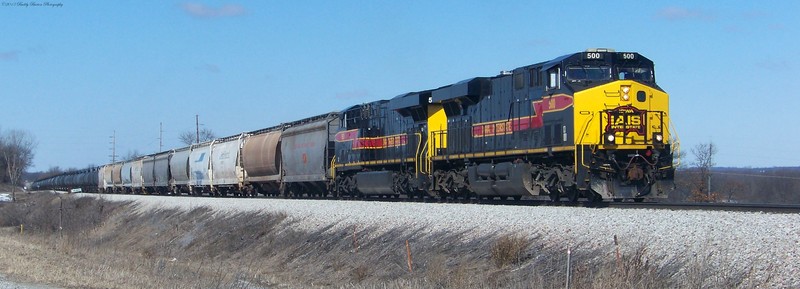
column 131, row 155
column 17, row 151
column 53, row 171
column 731, row 188
column 701, row 183
column 190, row 137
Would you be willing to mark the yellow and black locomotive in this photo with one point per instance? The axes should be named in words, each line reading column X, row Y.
column 592, row 124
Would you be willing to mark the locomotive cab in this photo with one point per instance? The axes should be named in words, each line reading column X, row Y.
column 622, row 136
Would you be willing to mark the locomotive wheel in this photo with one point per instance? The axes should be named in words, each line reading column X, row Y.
column 572, row 194
column 595, row 197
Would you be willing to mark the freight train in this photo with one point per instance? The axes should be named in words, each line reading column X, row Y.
column 592, row 124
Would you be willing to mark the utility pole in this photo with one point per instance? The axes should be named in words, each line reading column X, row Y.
column 160, row 135
column 709, row 184
column 197, row 126
column 113, row 147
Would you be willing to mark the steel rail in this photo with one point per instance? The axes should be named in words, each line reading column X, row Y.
column 730, row 207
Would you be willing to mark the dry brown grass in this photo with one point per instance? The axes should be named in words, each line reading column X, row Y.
column 509, row 250
column 109, row 245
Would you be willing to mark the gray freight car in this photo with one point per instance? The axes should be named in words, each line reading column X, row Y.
column 307, row 150
column 155, row 173
column 136, row 176
column 179, row 171
column 125, row 176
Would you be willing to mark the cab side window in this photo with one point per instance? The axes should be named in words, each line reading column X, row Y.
column 519, row 81
column 536, row 77
column 554, row 78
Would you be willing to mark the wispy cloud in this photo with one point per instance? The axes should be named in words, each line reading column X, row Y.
column 674, row 13
column 213, row 68
column 355, row 94
column 199, row 10
column 9, row 55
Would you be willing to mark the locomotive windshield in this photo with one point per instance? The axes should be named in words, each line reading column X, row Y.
column 635, row 73
column 588, row 73
column 592, row 73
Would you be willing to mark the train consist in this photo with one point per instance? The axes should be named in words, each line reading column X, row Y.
column 592, row 124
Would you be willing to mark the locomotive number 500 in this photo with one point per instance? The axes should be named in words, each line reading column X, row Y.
column 594, row 55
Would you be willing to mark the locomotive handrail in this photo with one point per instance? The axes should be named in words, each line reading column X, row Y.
column 333, row 168
column 585, row 127
column 580, row 142
column 676, row 145
column 417, row 163
column 423, row 156
column 583, row 163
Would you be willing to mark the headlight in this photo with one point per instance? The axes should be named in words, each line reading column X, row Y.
column 625, row 89
column 609, row 138
column 659, row 138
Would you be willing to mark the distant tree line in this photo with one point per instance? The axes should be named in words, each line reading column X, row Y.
column 703, row 182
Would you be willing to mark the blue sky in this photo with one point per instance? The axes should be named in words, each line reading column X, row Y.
column 74, row 73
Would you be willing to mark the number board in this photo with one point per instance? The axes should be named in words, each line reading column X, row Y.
column 627, row 56
column 593, row 55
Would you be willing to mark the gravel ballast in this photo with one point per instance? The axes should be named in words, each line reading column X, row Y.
column 761, row 245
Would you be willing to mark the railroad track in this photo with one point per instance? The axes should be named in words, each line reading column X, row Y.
column 732, row 207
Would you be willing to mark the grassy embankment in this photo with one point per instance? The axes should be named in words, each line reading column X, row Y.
column 109, row 245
